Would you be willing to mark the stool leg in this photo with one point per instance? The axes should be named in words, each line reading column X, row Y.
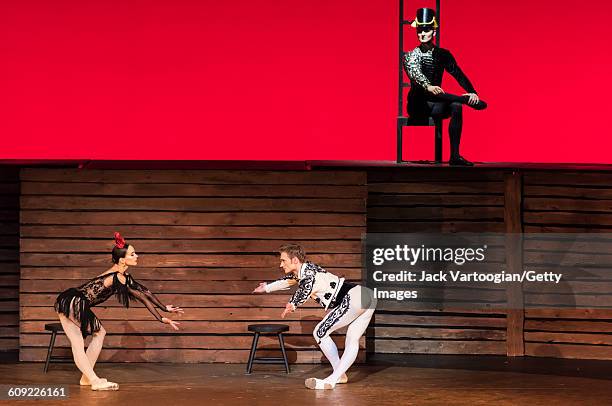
column 282, row 345
column 252, row 354
column 50, row 350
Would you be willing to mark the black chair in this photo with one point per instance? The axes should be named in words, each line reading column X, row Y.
column 258, row 329
column 403, row 121
column 407, row 122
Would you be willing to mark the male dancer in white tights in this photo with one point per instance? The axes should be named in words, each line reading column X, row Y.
column 348, row 304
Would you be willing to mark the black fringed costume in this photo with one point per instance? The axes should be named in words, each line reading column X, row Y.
column 77, row 302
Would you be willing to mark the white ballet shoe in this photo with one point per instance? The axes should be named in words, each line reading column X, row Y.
column 85, row 381
column 103, row 384
column 343, row 379
column 314, row 383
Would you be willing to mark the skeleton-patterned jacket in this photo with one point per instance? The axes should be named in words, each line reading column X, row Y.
column 313, row 281
column 426, row 68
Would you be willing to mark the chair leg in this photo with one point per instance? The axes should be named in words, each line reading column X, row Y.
column 252, row 354
column 399, row 144
column 50, row 350
column 282, row 346
column 438, row 152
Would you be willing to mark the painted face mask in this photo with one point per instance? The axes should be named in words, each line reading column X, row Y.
column 425, row 34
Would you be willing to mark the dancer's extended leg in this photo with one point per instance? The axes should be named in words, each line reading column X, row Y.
column 330, row 350
column 351, row 347
column 75, row 336
column 93, row 351
column 349, row 312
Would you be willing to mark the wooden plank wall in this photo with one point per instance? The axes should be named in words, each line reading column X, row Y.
column 437, row 201
column 206, row 239
column 9, row 262
column 569, row 202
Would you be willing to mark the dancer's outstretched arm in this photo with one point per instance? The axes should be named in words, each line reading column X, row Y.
column 141, row 297
column 128, row 288
column 153, row 299
column 280, row 284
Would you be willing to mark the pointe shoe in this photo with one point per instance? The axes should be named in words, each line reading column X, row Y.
column 85, row 381
column 314, row 383
column 103, row 384
column 343, row 379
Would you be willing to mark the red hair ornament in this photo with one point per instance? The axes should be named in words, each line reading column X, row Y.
column 119, row 241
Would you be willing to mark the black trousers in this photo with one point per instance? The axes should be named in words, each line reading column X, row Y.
column 448, row 105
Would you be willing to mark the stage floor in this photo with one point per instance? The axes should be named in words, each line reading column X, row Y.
column 380, row 384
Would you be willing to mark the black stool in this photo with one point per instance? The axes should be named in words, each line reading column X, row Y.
column 277, row 329
column 54, row 328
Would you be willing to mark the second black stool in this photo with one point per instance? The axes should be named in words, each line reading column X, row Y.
column 258, row 329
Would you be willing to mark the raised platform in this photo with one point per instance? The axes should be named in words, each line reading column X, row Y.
column 290, row 165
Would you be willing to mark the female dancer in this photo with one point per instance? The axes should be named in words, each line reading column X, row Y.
column 351, row 305
column 74, row 310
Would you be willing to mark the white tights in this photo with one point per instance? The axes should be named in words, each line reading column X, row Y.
column 84, row 360
column 361, row 305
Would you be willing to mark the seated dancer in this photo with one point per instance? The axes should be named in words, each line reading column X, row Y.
column 348, row 304
column 425, row 66
column 74, row 310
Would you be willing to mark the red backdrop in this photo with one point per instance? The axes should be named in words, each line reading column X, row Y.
column 288, row 79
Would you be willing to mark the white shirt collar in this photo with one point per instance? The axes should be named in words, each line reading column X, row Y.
column 301, row 270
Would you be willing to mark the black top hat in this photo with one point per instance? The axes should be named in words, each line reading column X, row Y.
column 425, row 18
